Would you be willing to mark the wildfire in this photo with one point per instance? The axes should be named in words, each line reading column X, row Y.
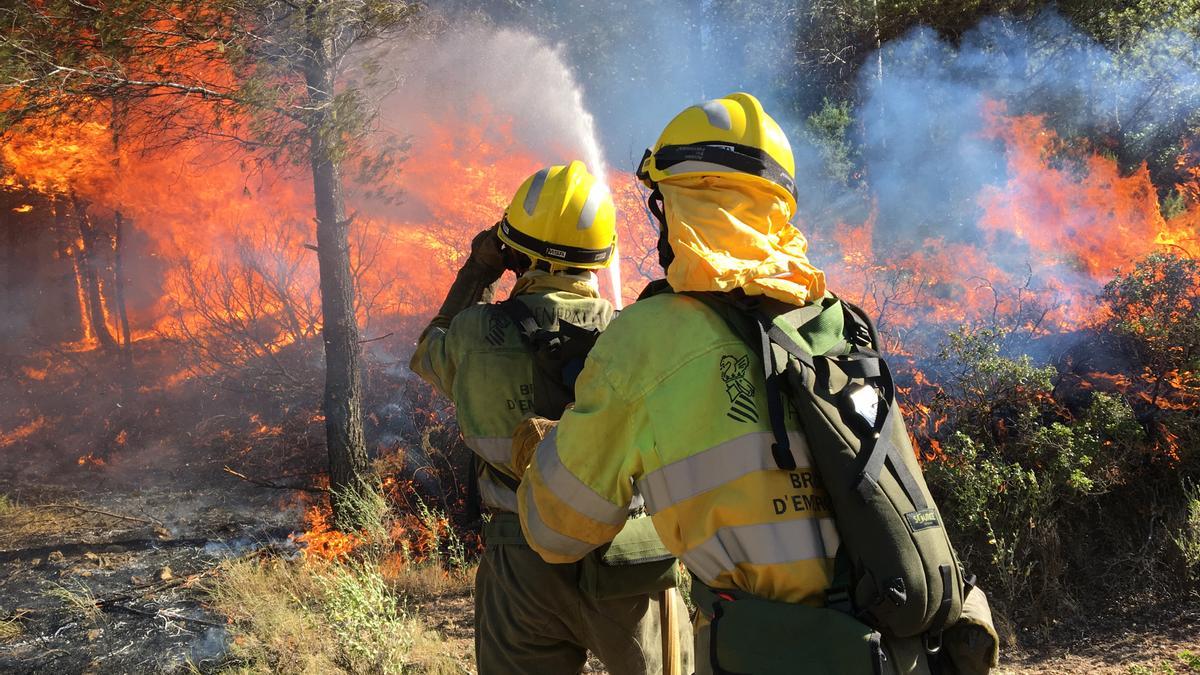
column 323, row 542
column 1066, row 213
column 22, row 432
column 91, row 459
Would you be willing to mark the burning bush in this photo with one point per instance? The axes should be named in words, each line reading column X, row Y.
column 1154, row 312
column 1055, row 479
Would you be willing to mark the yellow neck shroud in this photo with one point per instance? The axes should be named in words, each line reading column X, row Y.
column 730, row 232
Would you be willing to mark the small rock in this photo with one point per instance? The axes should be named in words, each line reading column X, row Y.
column 55, row 556
column 166, row 574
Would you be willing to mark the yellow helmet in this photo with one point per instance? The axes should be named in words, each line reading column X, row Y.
column 564, row 216
column 725, row 135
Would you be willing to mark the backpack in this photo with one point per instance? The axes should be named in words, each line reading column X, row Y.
column 558, row 357
column 896, row 569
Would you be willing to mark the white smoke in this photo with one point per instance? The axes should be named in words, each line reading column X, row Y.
column 483, row 74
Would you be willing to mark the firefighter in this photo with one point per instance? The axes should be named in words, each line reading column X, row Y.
column 677, row 400
column 530, row 616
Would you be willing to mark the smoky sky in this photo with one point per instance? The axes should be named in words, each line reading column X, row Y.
column 924, row 149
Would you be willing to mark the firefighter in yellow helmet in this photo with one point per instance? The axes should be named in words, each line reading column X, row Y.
column 677, row 398
column 532, row 616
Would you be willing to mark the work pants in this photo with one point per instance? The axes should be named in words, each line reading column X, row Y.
column 532, row 619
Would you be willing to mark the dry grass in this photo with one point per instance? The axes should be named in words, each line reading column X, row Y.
column 79, row 601
column 297, row 616
column 21, row 523
column 10, row 629
column 1187, row 539
column 426, row 582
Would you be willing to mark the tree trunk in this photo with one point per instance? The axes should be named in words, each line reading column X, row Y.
column 119, row 299
column 343, row 374
column 90, row 276
column 115, row 125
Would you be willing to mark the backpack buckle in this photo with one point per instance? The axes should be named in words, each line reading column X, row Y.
column 932, row 643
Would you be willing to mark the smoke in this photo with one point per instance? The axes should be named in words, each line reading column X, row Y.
column 926, row 153
column 640, row 63
column 496, row 77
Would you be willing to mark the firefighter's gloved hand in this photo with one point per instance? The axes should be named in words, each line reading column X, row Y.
column 476, row 280
column 528, row 435
column 488, row 253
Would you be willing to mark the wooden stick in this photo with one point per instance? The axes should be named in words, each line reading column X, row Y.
column 272, row 484
column 164, row 614
column 85, row 509
column 377, row 339
column 669, row 624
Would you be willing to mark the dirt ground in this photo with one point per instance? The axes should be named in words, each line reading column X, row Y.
column 135, row 540
column 142, row 552
column 1154, row 640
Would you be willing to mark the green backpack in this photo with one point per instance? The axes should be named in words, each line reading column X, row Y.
column 558, row 356
column 897, row 570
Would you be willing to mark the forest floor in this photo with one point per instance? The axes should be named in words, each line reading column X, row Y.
column 112, row 581
column 105, row 561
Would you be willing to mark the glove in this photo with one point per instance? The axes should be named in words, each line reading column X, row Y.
column 475, row 281
column 528, row 435
column 489, row 252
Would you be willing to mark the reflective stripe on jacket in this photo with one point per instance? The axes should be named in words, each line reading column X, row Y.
column 672, row 401
column 482, row 365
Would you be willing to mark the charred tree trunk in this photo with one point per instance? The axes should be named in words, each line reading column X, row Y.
column 119, row 296
column 90, row 276
column 115, row 124
column 67, row 237
column 343, row 374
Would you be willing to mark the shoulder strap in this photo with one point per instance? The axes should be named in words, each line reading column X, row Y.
column 860, row 330
column 522, row 317
column 656, row 287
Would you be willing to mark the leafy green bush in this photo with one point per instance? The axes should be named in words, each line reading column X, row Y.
column 1016, row 463
column 1187, row 539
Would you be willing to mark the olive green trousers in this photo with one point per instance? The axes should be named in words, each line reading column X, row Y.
column 532, row 619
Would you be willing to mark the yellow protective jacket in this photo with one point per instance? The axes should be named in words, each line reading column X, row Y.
column 671, row 403
column 481, row 363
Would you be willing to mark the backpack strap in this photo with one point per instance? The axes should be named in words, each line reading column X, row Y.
column 532, row 333
column 863, row 335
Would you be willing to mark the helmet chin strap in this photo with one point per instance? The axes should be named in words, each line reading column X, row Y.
column 665, row 254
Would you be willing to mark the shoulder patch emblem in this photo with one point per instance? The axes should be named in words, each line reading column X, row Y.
column 497, row 321
column 738, row 388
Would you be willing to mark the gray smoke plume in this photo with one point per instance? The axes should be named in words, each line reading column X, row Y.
column 925, row 152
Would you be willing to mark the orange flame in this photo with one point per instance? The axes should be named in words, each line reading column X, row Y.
column 321, row 540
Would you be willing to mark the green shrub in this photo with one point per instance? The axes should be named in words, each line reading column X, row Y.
column 1187, row 539
column 1016, row 464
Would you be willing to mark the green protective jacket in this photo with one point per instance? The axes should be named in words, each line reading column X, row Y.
column 671, row 402
column 482, row 365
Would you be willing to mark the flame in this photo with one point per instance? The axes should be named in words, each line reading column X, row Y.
column 91, row 459
column 1062, row 223
column 323, row 542
column 22, row 432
